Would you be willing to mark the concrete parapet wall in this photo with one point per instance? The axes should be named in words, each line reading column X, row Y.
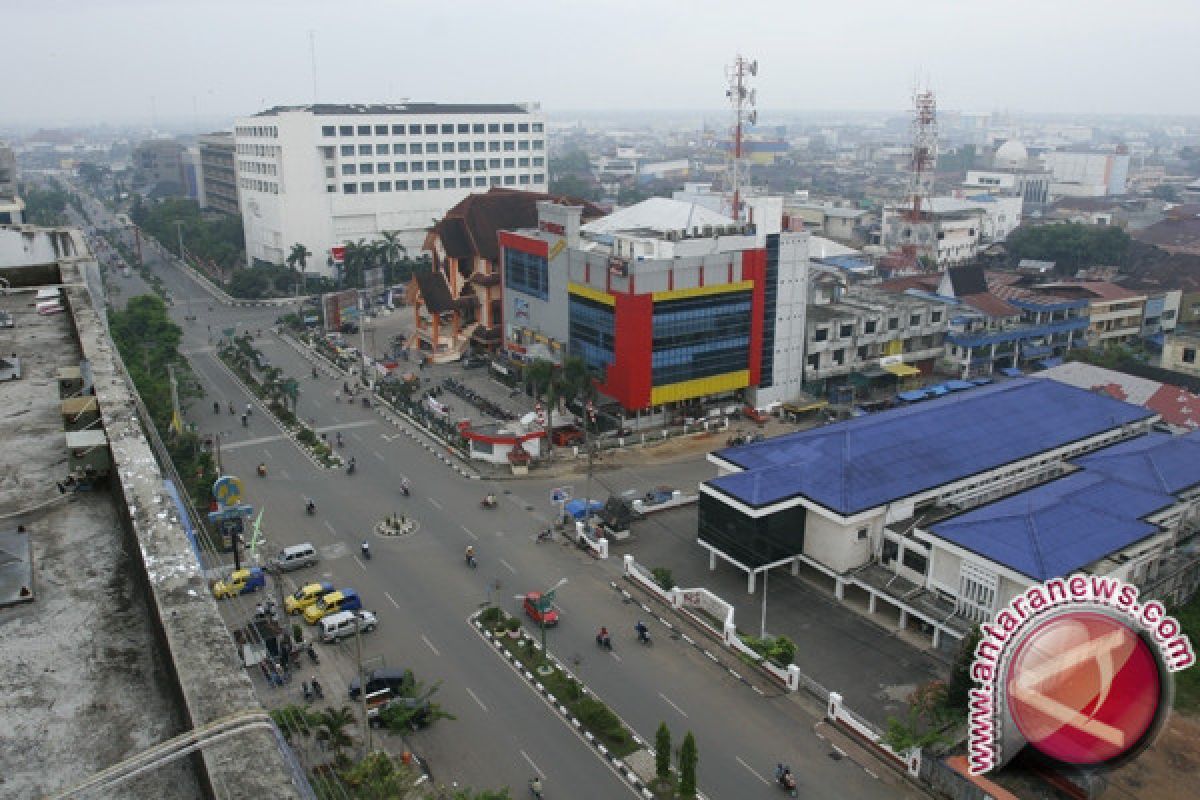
column 211, row 681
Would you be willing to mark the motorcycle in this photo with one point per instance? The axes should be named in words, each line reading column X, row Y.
column 366, row 551
column 471, row 562
column 314, row 373
column 535, row 789
column 546, row 536
column 312, row 654
column 404, row 489
column 308, row 692
column 316, row 687
column 643, row 634
column 245, row 421
column 262, row 470
column 604, row 640
column 488, row 502
column 350, row 469
column 310, row 508
column 785, row 779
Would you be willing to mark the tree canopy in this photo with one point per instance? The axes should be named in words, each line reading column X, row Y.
column 213, row 237
column 1071, row 246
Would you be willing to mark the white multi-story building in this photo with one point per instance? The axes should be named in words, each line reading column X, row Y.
column 1087, row 174
column 322, row 175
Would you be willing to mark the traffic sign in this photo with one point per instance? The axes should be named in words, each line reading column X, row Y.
column 227, row 489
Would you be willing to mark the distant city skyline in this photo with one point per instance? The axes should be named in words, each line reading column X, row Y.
column 142, row 61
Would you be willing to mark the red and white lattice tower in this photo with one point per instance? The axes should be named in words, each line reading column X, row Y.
column 742, row 98
column 924, row 154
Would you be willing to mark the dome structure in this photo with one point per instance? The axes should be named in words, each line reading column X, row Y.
column 1011, row 154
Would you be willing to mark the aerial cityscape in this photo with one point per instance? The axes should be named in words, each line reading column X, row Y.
column 658, row 400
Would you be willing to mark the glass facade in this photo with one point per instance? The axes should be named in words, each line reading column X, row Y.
column 698, row 337
column 751, row 541
column 770, row 289
column 591, row 333
column 526, row 273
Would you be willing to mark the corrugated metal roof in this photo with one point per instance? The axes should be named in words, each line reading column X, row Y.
column 870, row 461
column 657, row 214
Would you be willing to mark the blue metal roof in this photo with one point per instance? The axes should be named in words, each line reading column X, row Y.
column 1157, row 462
column 1058, row 527
column 1017, row 334
column 869, row 461
column 913, row 396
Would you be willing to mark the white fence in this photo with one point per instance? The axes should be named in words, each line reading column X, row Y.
column 910, row 760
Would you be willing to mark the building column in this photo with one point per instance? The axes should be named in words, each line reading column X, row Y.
column 839, row 589
column 903, row 619
column 712, row 561
column 937, row 636
column 871, row 603
column 795, row 567
column 750, row 576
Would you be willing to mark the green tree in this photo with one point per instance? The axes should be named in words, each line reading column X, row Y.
column 688, row 758
column 1071, row 246
column 582, row 187
column 922, row 723
column 45, row 206
column 249, row 283
column 298, row 258
column 662, row 752
column 332, row 729
column 959, row 688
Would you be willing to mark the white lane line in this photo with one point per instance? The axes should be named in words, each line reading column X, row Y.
column 477, row 700
column 872, row 774
column 377, row 455
column 392, row 599
column 614, row 655
column 434, row 503
column 536, row 768
column 364, row 569
column 268, row 454
column 751, row 770
column 470, row 533
column 356, row 436
column 283, row 473
column 672, row 705
column 330, row 527
column 511, row 568
column 429, row 644
column 314, row 402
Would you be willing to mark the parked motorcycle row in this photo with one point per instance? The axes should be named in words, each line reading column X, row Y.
column 479, row 401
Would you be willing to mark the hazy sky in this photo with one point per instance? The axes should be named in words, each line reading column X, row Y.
column 103, row 60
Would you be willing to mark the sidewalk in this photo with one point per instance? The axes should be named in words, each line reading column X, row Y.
column 870, row 665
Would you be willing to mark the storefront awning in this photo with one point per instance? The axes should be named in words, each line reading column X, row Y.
column 902, row 370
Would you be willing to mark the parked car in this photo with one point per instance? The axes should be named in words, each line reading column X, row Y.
column 533, row 608
column 754, row 415
column 295, row 556
column 342, row 600
column 474, row 362
column 242, row 581
column 345, row 623
column 305, row 596
column 397, row 680
column 567, row 435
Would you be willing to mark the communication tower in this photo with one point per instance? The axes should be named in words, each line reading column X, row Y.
column 924, row 154
column 742, row 98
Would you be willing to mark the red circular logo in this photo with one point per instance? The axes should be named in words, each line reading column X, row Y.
column 1083, row 688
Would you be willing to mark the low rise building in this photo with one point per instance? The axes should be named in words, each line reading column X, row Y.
column 1087, row 174
column 1115, row 313
column 12, row 208
column 158, row 166
column 940, row 512
column 1179, row 352
column 942, row 239
column 1178, row 407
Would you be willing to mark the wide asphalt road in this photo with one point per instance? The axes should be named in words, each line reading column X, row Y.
column 424, row 592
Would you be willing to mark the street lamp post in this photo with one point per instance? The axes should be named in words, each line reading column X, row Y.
column 762, row 630
column 547, row 599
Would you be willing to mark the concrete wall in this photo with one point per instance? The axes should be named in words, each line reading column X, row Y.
column 791, row 309
column 211, row 681
column 835, row 545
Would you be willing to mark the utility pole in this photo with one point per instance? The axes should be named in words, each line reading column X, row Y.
column 589, row 421
column 762, row 629
column 362, row 686
column 179, row 232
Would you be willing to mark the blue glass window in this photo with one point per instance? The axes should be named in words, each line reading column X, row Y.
column 698, row 337
column 526, row 273
column 590, row 333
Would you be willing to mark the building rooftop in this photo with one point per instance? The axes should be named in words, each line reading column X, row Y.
column 1099, row 290
column 1069, row 523
column 428, row 109
column 1176, row 405
column 873, row 460
column 658, row 215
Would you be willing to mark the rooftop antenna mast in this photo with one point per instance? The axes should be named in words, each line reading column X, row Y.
column 924, row 153
column 742, row 98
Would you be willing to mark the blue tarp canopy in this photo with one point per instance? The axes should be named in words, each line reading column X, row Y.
column 1035, row 350
column 1047, row 363
column 576, row 508
column 980, row 381
column 912, row 397
column 937, row 391
column 958, row 386
column 1011, row 372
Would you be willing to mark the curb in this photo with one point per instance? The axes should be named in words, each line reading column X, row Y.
column 635, row 783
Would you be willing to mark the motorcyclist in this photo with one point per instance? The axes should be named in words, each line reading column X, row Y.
column 490, row 500
column 314, row 373
column 603, row 639
column 262, row 469
column 404, row 487
column 535, row 786
column 216, row 407
column 232, row 410
column 353, row 465
column 366, row 549
column 469, row 554
column 249, row 409
column 339, row 439
column 309, row 505
column 783, row 774
column 642, row 631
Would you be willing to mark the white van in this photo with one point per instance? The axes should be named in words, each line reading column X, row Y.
column 344, row 623
column 49, row 294
column 296, row 557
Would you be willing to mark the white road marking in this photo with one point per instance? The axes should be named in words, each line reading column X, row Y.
column 614, row 655
column 330, row 527
column 536, row 768
column 434, row 503
column 377, row 455
column 283, row 473
column 364, row 567
column 872, row 774
column 470, row 533
column 477, row 700
column 672, row 705
column 356, row 436
column 752, row 770
column 511, row 568
column 429, row 644
column 313, row 400
column 389, row 597
column 268, row 454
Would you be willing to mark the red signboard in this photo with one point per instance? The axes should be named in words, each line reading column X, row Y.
column 339, row 253
column 552, row 227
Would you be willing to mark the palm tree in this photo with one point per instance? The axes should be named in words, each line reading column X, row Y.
column 332, row 729
column 299, row 255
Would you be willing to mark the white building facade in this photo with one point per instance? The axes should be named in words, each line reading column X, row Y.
column 323, row 175
column 1087, row 174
